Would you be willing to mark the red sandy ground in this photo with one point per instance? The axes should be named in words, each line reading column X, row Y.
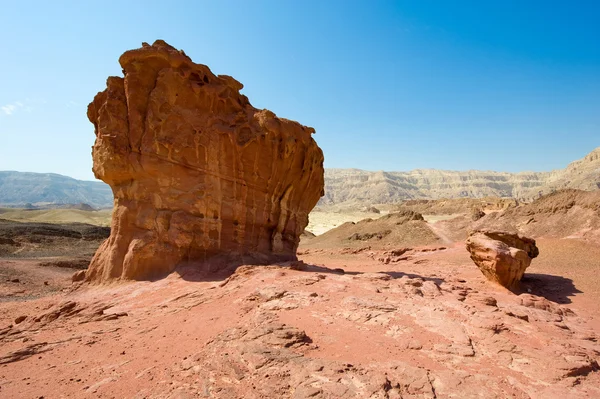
column 428, row 325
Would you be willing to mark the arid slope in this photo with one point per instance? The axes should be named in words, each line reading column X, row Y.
column 564, row 214
column 395, row 229
column 99, row 218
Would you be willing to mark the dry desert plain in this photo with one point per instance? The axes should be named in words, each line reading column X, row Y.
column 350, row 319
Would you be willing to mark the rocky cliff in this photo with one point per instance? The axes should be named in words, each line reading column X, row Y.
column 583, row 174
column 197, row 172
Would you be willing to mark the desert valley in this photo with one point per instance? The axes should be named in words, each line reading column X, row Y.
column 221, row 260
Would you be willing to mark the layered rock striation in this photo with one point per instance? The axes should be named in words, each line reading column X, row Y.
column 501, row 256
column 197, row 172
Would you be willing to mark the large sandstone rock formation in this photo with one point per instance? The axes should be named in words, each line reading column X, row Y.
column 197, row 172
column 501, row 256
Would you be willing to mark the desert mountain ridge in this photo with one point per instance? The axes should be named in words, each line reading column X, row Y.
column 352, row 187
column 359, row 187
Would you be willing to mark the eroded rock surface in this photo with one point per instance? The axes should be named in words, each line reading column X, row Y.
column 298, row 330
column 501, row 256
column 197, row 172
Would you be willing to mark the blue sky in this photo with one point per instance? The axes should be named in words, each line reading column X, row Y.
column 398, row 85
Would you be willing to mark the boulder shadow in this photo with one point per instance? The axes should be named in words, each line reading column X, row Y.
column 557, row 289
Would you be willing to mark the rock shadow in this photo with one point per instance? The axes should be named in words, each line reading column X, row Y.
column 392, row 274
column 207, row 272
column 219, row 272
column 396, row 274
column 554, row 288
column 221, row 267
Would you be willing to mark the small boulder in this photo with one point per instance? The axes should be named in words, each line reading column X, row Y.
column 476, row 214
column 501, row 256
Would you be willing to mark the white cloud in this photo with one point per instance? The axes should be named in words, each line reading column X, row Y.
column 27, row 105
column 10, row 109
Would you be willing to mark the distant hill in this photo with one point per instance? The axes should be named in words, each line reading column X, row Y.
column 362, row 188
column 24, row 189
column 352, row 187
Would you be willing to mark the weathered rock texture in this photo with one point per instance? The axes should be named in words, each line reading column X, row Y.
column 197, row 172
column 501, row 256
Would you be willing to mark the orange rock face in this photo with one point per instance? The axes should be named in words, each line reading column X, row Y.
column 502, row 257
column 197, row 172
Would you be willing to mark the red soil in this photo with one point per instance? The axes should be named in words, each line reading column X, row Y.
column 424, row 324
